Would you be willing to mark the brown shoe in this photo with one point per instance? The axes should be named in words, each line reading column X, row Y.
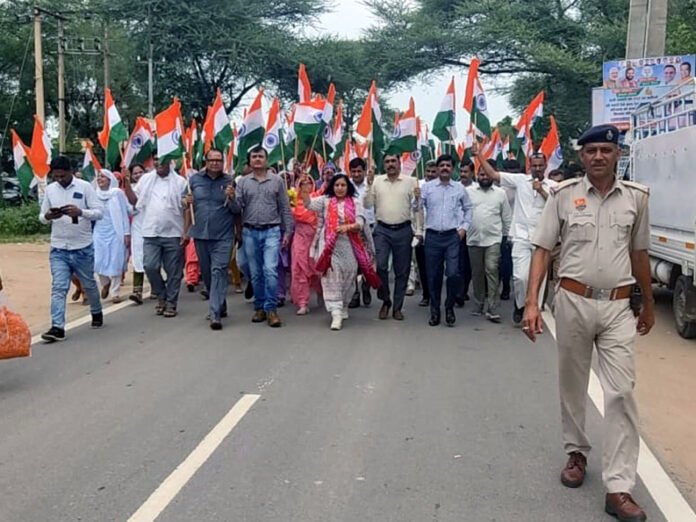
column 273, row 319
column 384, row 311
column 623, row 507
column 159, row 309
column 258, row 317
column 169, row 311
column 573, row 475
column 398, row 315
column 105, row 290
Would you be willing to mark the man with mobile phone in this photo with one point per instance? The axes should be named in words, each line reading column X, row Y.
column 70, row 206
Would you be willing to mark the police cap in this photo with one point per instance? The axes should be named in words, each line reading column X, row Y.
column 600, row 134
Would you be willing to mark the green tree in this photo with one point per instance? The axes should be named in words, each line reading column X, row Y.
column 556, row 46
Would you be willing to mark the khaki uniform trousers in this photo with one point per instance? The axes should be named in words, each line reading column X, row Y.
column 611, row 326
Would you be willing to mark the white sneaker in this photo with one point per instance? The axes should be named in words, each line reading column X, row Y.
column 336, row 322
column 304, row 310
column 344, row 314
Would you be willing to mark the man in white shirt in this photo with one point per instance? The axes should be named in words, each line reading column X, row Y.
column 158, row 195
column 531, row 192
column 70, row 205
column 491, row 221
column 358, row 169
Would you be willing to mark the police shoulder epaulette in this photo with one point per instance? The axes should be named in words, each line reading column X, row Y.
column 636, row 186
column 565, row 184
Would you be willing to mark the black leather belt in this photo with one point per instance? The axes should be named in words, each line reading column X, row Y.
column 398, row 226
column 441, row 232
column 260, row 227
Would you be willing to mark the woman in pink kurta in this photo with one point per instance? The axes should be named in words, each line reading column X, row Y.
column 303, row 276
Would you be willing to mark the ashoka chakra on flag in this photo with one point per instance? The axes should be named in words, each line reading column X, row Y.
column 481, row 102
column 270, row 141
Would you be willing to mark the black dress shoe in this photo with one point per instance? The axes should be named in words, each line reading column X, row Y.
column 367, row 297
column 424, row 302
column 517, row 316
column 459, row 302
column 505, row 296
column 248, row 291
column 434, row 319
column 215, row 324
column 450, row 319
column 355, row 301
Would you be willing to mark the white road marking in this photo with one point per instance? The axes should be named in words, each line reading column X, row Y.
column 165, row 493
column 660, row 486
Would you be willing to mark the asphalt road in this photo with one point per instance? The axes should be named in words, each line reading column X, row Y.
column 383, row 421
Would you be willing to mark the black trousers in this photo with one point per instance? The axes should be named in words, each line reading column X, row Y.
column 396, row 243
column 464, row 271
column 442, row 257
column 422, row 273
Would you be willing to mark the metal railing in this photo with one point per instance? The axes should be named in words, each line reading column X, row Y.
column 674, row 111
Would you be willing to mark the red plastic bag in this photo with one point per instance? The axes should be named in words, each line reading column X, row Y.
column 15, row 337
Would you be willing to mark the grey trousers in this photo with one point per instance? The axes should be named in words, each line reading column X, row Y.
column 611, row 327
column 484, row 273
column 214, row 257
column 398, row 244
column 167, row 253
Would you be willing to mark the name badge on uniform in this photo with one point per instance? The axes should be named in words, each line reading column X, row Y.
column 77, row 195
column 580, row 204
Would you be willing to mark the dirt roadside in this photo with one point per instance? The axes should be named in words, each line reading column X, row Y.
column 666, row 363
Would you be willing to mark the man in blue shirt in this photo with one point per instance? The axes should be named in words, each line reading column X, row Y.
column 214, row 212
column 448, row 214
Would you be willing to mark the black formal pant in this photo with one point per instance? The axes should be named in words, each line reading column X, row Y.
column 396, row 243
column 442, row 257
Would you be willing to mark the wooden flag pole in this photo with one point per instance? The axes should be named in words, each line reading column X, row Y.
column 311, row 149
column 323, row 146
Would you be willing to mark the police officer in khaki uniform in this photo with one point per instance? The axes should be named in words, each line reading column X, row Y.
column 602, row 224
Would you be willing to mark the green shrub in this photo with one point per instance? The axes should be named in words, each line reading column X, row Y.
column 21, row 221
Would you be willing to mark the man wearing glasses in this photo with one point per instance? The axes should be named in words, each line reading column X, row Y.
column 212, row 218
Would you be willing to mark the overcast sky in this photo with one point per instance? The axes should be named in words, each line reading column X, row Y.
column 350, row 17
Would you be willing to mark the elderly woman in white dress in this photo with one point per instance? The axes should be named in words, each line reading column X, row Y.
column 342, row 245
column 111, row 236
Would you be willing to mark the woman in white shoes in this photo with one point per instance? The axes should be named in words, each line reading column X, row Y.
column 343, row 243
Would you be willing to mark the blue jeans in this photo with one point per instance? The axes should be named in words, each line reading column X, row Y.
column 261, row 249
column 214, row 258
column 65, row 263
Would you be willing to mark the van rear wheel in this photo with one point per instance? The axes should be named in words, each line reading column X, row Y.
column 682, row 297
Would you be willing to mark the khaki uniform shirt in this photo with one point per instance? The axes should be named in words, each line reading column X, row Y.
column 597, row 235
column 394, row 201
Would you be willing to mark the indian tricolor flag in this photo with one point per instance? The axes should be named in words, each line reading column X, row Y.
column 304, row 89
column 251, row 131
column 141, row 144
column 551, row 148
column 337, row 141
column 370, row 124
column 41, row 152
column 309, row 119
column 444, row 126
column 113, row 133
column 494, row 148
column 222, row 132
column 405, row 135
column 475, row 100
column 271, row 140
column 290, row 136
column 531, row 115
column 170, row 129
column 90, row 164
column 23, row 169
